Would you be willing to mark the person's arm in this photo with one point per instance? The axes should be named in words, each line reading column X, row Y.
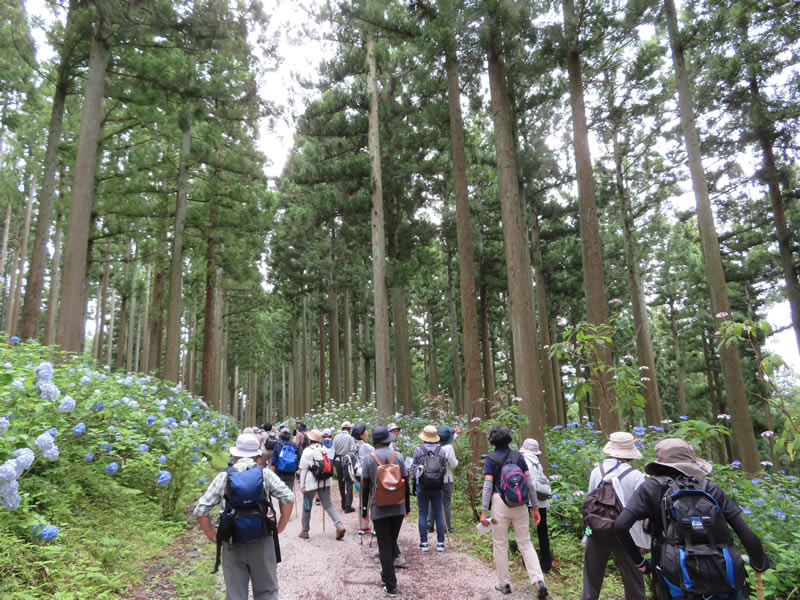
column 452, row 460
column 486, row 497
column 622, row 528
column 755, row 550
column 303, row 470
column 205, row 524
column 286, row 513
column 366, row 488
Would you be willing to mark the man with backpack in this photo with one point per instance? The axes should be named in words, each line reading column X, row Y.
column 446, row 436
column 285, row 458
column 343, row 443
column 247, row 536
column 384, row 479
column 508, row 487
column 611, row 485
column 269, row 439
column 693, row 555
column 316, row 474
column 428, row 468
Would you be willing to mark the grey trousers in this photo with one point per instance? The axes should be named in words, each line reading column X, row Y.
column 325, row 499
column 598, row 551
column 245, row 562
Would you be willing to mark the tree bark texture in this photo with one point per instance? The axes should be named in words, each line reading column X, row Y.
column 712, row 260
column 455, row 351
column 518, row 264
column 23, row 256
column 55, row 284
column 206, row 383
column 333, row 338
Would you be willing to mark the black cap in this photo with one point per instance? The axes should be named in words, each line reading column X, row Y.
column 358, row 430
column 381, row 435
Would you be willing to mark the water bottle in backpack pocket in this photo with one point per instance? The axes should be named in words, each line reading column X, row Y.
column 697, row 554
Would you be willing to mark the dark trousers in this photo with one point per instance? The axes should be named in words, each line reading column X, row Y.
column 598, row 551
column 386, row 531
column 345, row 487
column 545, row 558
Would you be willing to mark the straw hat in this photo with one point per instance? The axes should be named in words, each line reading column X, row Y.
column 531, row 446
column 678, row 454
column 429, row 434
column 247, row 444
column 620, row 445
column 314, row 435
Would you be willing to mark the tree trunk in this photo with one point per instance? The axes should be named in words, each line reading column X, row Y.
column 366, row 371
column 206, row 384
column 125, row 293
column 518, row 264
column 384, row 398
column 592, row 251
column 69, row 334
column 676, row 344
column 486, row 339
column 434, row 373
column 560, row 402
column 297, row 383
column 716, row 408
column 157, row 321
column 6, row 231
column 321, row 365
column 347, row 355
column 103, row 301
column 23, row 255
column 174, row 310
column 145, row 365
column 641, row 320
column 720, row 306
column 110, row 344
column 131, row 335
column 402, row 352
column 333, row 337
column 53, row 292
column 458, row 391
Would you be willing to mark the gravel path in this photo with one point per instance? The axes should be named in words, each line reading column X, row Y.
column 323, row 569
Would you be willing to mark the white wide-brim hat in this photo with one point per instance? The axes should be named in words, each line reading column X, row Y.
column 621, row 445
column 247, row 445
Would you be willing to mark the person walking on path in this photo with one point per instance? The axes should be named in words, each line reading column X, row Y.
column 254, row 561
column 616, row 469
column 343, row 443
column 361, row 435
column 504, row 516
column 286, row 467
column 530, row 451
column 387, row 517
column 428, row 468
column 446, row 435
column 269, row 439
column 314, row 483
column 677, row 472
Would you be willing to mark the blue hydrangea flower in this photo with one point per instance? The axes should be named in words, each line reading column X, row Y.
column 111, row 468
column 202, row 480
column 51, row 453
column 79, row 429
column 212, row 441
column 10, row 501
column 44, row 372
column 45, row 532
column 53, row 432
column 48, row 391
column 143, row 448
column 8, row 365
column 98, row 406
column 8, row 471
column 24, row 458
column 106, row 447
column 67, row 404
column 89, row 457
column 18, row 385
column 195, row 458
column 684, row 418
column 755, row 480
column 736, row 464
column 85, row 380
column 151, row 419
column 556, row 496
column 164, row 477
column 553, row 466
column 746, row 510
column 3, row 425
column 44, row 441
column 13, row 338
column 162, row 459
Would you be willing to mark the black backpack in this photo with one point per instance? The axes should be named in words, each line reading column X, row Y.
column 321, row 468
column 697, row 558
column 431, row 478
column 271, row 440
column 351, row 465
column 248, row 514
column 601, row 507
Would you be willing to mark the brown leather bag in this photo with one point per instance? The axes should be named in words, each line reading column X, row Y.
column 389, row 486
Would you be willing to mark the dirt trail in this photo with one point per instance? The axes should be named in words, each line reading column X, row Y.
column 323, row 569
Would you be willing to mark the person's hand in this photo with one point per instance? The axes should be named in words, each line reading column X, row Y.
column 647, row 567
column 302, row 489
column 536, row 517
column 408, row 513
column 484, row 520
column 212, row 538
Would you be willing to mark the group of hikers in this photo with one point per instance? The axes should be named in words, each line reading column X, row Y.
column 681, row 519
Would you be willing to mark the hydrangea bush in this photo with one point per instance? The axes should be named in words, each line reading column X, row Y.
column 67, row 422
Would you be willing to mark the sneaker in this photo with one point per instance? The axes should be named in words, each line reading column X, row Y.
column 391, row 592
column 440, row 546
column 366, row 531
column 506, row 589
column 347, row 511
column 400, row 562
column 423, row 546
column 541, row 590
column 340, row 532
column 303, row 535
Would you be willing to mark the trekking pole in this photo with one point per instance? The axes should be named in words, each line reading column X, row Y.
column 323, row 519
column 759, row 586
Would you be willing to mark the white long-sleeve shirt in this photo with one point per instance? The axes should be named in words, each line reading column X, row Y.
column 624, row 488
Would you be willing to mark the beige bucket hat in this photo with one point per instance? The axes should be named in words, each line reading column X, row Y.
column 314, row 435
column 678, row 454
column 621, row 445
column 429, row 434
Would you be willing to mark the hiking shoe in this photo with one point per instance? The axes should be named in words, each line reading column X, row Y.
column 347, row 511
column 340, row 532
column 400, row 562
column 541, row 590
column 505, row 589
column 391, row 592
column 303, row 535
column 423, row 546
column 440, row 546
column 365, row 531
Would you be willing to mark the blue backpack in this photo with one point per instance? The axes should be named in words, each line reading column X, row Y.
column 287, row 459
column 511, row 483
column 248, row 514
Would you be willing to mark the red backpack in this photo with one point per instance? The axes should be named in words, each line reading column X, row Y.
column 322, row 468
